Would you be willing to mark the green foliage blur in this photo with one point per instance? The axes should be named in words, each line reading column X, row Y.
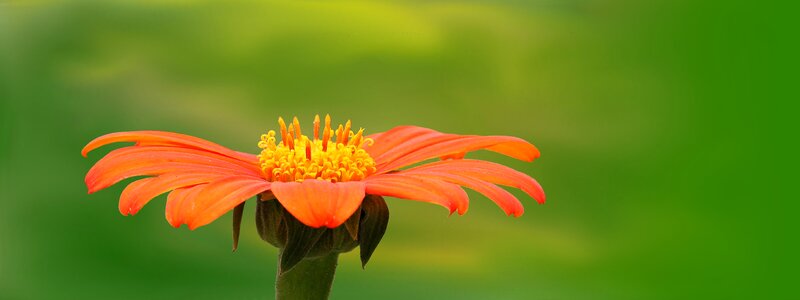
column 656, row 154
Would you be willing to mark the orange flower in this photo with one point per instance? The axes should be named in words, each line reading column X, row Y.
column 321, row 179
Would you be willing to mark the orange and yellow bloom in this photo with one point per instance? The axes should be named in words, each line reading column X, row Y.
column 320, row 177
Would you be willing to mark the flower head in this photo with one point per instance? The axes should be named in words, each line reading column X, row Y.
column 321, row 180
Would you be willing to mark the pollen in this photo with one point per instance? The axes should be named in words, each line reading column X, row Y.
column 336, row 155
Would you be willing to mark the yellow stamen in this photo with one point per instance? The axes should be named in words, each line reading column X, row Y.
column 316, row 127
column 357, row 138
column 308, row 150
column 289, row 137
column 283, row 130
column 346, row 132
column 326, row 136
column 339, row 134
column 298, row 157
column 297, row 132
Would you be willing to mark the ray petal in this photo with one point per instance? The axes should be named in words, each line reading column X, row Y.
column 392, row 138
column 413, row 145
column 130, row 161
column 430, row 190
column 179, row 204
column 319, row 203
column 503, row 199
column 139, row 151
column 139, row 193
column 164, row 138
column 508, row 145
column 486, row 171
column 219, row 197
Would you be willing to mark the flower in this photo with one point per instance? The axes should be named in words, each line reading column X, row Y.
column 321, row 179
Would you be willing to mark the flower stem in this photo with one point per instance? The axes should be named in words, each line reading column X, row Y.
column 309, row 279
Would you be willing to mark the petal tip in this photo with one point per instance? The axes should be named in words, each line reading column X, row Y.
column 172, row 222
column 132, row 211
column 88, row 148
column 333, row 224
column 541, row 198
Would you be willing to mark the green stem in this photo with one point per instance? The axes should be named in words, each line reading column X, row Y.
column 309, row 279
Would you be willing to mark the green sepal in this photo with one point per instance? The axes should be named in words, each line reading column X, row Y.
column 374, row 219
column 352, row 224
column 324, row 244
column 341, row 240
column 237, row 224
column 346, row 237
column 270, row 222
column 300, row 239
column 335, row 240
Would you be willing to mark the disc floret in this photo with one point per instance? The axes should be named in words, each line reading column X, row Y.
column 335, row 156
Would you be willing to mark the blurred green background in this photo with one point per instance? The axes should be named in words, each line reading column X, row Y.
column 650, row 115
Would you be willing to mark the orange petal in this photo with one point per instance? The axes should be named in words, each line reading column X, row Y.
column 319, row 203
column 165, row 138
column 138, row 161
column 442, row 146
column 374, row 136
column 130, row 190
column 504, row 199
column 153, row 170
column 177, row 206
column 213, row 158
column 412, row 146
column 219, row 197
column 486, row 171
column 139, row 193
column 429, row 190
column 394, row 137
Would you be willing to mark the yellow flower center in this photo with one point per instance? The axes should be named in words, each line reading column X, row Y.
column 335, row 156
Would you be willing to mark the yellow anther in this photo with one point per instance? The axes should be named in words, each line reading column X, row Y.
column 308, row 149
column 316, row 127
column 339, row 133
column 290, row 138
column 297, row 132
column 346, row 132
column 326, row 136
column 357, row 138
column 283, row 130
